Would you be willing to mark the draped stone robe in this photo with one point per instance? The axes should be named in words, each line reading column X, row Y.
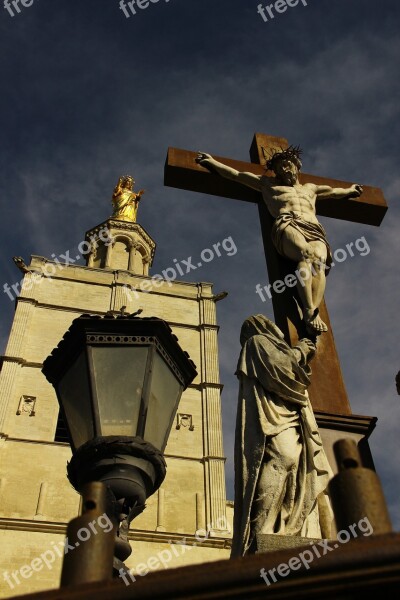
column 272, row 399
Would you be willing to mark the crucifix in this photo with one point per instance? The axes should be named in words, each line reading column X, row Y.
column 327, row 391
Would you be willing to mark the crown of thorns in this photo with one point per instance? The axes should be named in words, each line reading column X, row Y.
column 292, row 153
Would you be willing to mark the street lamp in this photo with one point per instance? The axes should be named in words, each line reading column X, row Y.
column 119, row 379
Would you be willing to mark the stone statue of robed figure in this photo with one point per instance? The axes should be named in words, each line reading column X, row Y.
column 281, row 470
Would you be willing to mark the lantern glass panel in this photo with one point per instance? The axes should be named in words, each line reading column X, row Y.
column 119, row 374
column 74, row 394
column 165, row 394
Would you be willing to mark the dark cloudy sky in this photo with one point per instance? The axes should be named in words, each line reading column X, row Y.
column 88, row 94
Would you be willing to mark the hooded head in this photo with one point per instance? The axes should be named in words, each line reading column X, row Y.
column 280, row 365
column 260, row 325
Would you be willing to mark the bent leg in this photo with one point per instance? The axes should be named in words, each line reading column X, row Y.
column 296, row 249
column 319, row 255
column 318, row 269
column 310, row 258
column 276, row 486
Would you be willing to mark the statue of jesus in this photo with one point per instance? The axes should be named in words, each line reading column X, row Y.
column 296, row 234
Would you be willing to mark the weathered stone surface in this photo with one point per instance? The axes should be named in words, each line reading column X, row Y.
column 281, row 470
column 272, row 542
column 36, row 497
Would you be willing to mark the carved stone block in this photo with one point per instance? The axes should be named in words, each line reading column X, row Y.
column 26, row 406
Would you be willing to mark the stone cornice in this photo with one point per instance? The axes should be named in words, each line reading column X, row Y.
column 112, row 272
column 352, row 423
column 167, row 455
column 19, row 361
column 190, row 539
column 41, row 442
column 163, row 537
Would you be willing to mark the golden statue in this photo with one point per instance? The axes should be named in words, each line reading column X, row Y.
column 125, row 201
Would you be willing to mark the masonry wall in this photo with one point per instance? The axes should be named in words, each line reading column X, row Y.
column 36, row 499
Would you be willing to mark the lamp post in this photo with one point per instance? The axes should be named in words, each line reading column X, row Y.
column 119, row 379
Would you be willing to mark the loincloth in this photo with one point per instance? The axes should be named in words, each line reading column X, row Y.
column 312, row 232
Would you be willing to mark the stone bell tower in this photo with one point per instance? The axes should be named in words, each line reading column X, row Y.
column 131, row 249
column 187, row 519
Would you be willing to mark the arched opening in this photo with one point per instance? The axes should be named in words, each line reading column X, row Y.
column 139, row 263
column 120, row 255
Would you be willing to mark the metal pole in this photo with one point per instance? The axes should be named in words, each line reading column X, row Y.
column 89, row 547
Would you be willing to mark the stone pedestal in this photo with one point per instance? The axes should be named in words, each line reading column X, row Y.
column 272, row 542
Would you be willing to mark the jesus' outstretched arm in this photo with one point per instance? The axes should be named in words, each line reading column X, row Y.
column 325, row 191
column 248, row 179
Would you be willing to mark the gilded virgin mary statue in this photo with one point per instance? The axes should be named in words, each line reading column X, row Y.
column 125, row 201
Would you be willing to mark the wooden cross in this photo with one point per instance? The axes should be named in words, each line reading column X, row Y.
column 327, row 391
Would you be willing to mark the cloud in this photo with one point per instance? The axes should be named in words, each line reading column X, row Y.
column 90, row 95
